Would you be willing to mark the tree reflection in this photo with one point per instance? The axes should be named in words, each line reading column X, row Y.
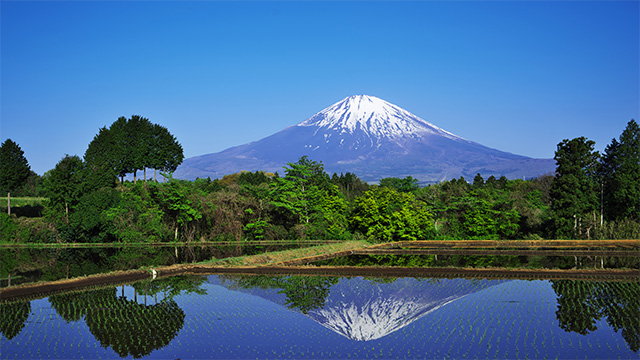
column 13, row 317
column 128, row 327
column 304, row 293
column 582, row 303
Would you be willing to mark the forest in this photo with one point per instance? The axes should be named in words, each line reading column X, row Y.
column 91, row 199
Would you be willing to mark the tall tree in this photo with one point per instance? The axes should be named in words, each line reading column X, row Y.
column 621, row 175
column 167, row 152
column 295, row 192
column 575, row 190
column 101, row 160
column 129, row 145
column 63, row 184
column 14, row 168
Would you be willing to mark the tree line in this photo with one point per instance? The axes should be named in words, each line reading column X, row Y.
column 591, row 196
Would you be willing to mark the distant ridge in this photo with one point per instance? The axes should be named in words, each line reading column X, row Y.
column 374, row 139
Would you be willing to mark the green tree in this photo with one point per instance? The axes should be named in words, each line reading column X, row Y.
column 102, row 159
column 167, row 152
column 478, row 181
column 178, row 205
column 14, row 168
column 621, row 175
column 483, row 217
column 575, row 190
column 90, row 216
column 298, row 191
column 136, row 217
column 407, row 184
column 385, row 214
column 130, row 145
column 349, row 184
column 63, row 185
column 333, row 208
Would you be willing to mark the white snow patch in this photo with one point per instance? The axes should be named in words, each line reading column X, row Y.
column 376, row 117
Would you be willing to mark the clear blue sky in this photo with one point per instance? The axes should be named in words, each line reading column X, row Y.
column 515, row 76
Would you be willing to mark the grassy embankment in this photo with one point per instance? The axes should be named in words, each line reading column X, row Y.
column 22, row 201
column 24, row 206
column 286, row 255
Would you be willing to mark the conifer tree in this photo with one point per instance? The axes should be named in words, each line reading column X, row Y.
column 575, row 190
column 621, row 175
column 14, row 168
column 129, row 145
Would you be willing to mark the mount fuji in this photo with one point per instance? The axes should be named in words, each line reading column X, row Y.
column 365, row 309
column 373, row 139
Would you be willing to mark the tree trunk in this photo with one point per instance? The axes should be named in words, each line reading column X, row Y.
column 134, row 176
column 66, row 209
column 154, row 175
column 9, row 202
column 145, row 174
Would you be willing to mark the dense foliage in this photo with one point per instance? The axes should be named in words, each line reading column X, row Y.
column 15, row 173
column 590, row 197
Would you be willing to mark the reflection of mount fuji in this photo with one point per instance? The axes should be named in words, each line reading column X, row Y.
column 362, row 309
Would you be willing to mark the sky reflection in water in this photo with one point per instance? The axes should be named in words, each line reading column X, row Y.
column 322, row 317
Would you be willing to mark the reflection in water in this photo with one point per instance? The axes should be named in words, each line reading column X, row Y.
column 303, row 293
column 582, row 303
column 357, row 308
column 482, row 261
column 170, row 317
column 31, row 265
column 128, row 327
column 13, row 317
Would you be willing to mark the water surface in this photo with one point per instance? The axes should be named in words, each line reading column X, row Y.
column 241, row 317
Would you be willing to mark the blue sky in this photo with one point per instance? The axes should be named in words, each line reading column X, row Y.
column 515, row 76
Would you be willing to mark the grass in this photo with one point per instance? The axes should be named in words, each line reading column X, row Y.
column 285, row 255
column 23, row 201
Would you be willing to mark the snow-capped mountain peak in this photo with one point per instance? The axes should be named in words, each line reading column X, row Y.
column 375, row 117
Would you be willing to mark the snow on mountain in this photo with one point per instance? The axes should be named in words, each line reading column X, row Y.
column 365, row 310
column 375, row 117
column 375, row 318
column 373, row 139
column 362, row 310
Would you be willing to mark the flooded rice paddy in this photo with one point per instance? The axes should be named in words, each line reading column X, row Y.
column 294, row 317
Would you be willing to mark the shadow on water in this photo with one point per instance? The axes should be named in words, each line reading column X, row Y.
column 23, row 265
column 470, row 260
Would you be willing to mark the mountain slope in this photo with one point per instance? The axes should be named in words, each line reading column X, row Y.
column 372, row 138
column 363, row 309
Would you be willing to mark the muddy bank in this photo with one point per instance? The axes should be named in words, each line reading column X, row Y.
column 375, row 271
column 296, row 262
column 45, row 289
